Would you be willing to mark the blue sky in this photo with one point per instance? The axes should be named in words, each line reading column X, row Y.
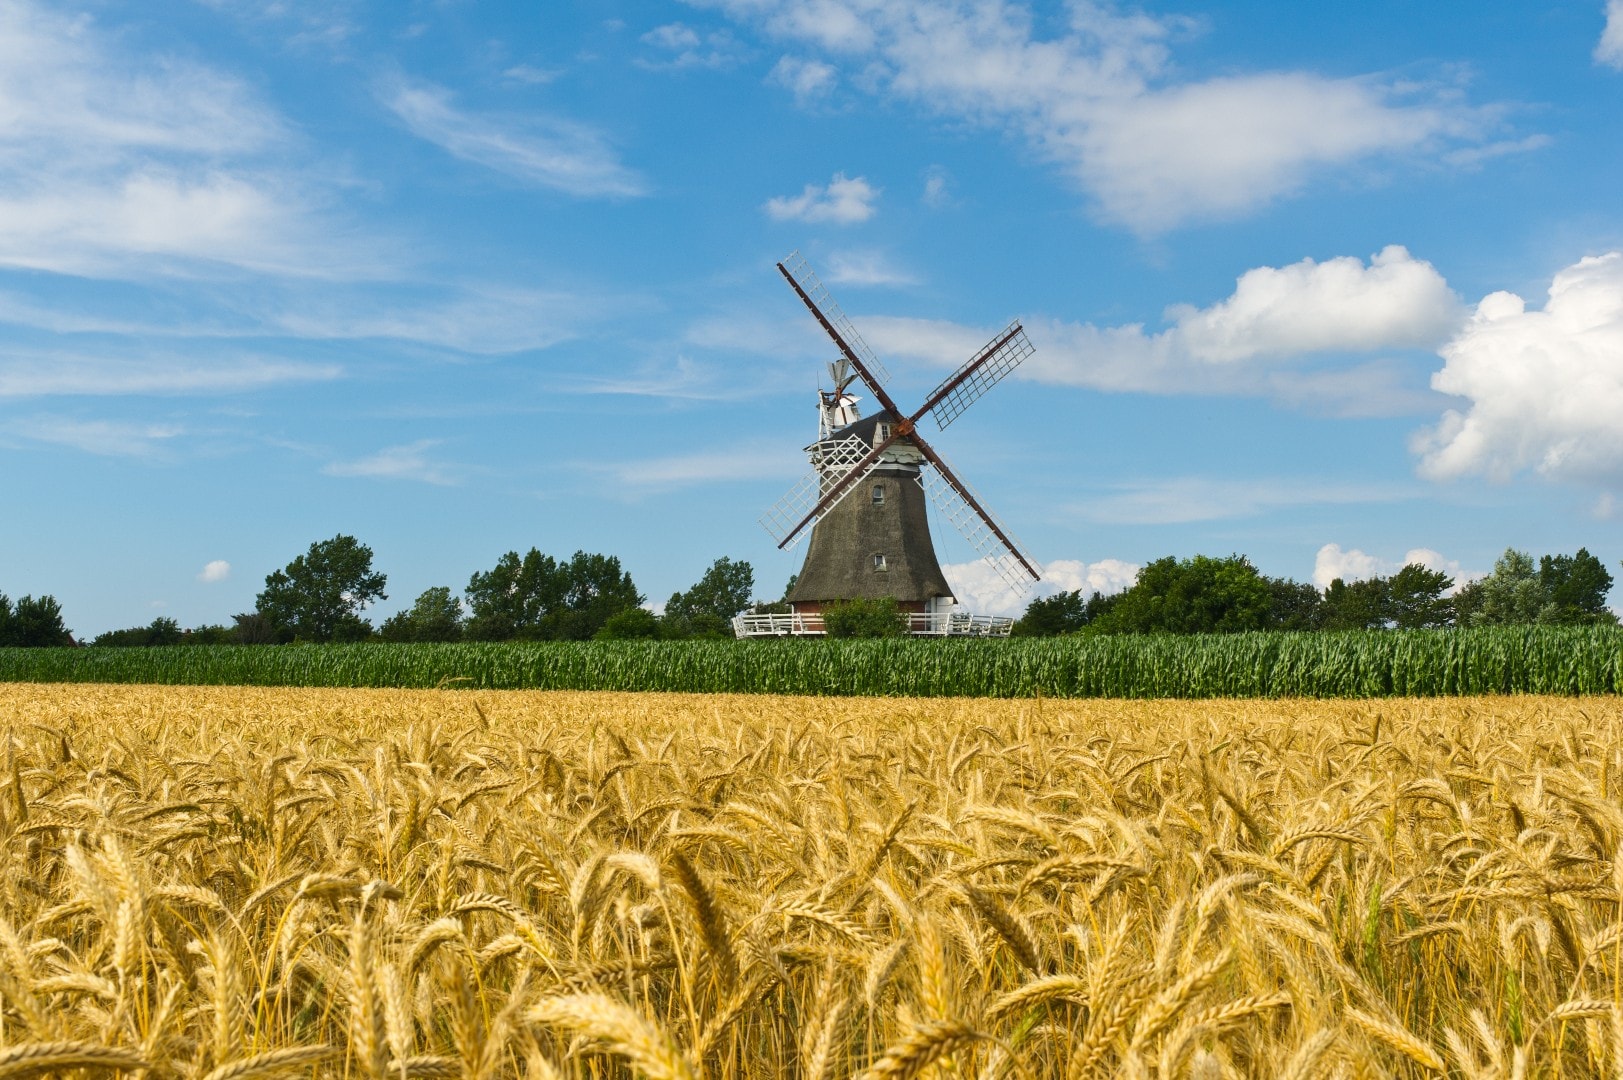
column 1334, row 287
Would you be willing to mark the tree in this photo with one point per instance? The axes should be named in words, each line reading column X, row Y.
column 864, row 618
column 537, row 597
column 1511, row 595
column 253, row 628
column 321, row 594
column 1359, row 605
column 161, row 631
column 1576, row 588
column 1192, row 596
column 34, row 622
column 707, row 609
column 1415, row 598
column 1294, row 605
column 630, row 624
column 514, row 598
column 1050, row 616
column 435, row 615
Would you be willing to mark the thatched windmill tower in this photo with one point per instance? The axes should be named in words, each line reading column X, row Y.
column 865, row 499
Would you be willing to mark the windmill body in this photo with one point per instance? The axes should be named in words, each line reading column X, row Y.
column 876, row 542
column 864, row 502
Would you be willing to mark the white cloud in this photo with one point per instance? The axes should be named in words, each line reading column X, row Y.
column 684, row 47
column 865, row 268
column 1260, row 340
column 63, row 374
column 1609, row 50
column 1351, row 564
column 809, row 80
column 1545, row 386
column 407, row 462
column 937, row 188
column 216, row 570
column 1103, row 101
column 547, row 151
column 981, row 591
column 843, row 202
column 756, row 460
column 125, row 166
column 108, row 438
column 1180, row 500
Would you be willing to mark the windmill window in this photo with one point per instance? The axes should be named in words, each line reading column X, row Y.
column 879, row 562
column 879, row 494
column 881, row 432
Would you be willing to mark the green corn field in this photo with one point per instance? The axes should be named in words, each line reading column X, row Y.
column 1358, row 664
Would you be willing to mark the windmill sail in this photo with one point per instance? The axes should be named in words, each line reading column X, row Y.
column 991, row 539
column 835, row 460
column 979, row 374
column 797, row 270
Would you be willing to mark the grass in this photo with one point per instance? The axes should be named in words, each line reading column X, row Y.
column 217, row 883
column 1365, row 664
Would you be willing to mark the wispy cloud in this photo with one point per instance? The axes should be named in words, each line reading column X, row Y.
column 127, row 166
column 67, row 374
column 407, row 462
column 678, row 46
column 1103, row 100
column 106, row 438
column 546, row 151
column 842, row 201
column 866, row 268
column 1180, row 500
column 753, row 460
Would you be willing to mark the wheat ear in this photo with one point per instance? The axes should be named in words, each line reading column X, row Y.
column 626, row 1032
column 922, row 1046
column 51, row 1058
column 273, row 1061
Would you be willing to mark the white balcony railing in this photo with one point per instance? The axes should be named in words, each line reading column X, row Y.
column 923, row 624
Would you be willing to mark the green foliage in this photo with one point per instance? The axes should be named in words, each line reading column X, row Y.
column 320, row 595
column 1294, row 605
column 1414, row 598
column 1491, row 660
column 1192, row 596
column 862, row 618
column 161, row 631
column 541, row 599
column 1575, row 587
column 435, row 615
column 632, row 624
column 33, row 622
column 1359, row 605
column 706, row 609
column 1063, row 613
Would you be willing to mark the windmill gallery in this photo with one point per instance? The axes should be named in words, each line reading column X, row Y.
column 864, row 501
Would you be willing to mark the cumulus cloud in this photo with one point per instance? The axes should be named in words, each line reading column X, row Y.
column 1351, row 564
column 1545, row 387
column 214, row 571
column 1609, row 50
column 842, row 202
column 408, row 462
column 808, row 80
column 1262, row 339
column 980, row 590
column 1103, row 100
column 681, row 46
column 546, row 151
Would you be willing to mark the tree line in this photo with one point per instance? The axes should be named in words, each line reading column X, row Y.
column 323, row 596
column 1203, row 595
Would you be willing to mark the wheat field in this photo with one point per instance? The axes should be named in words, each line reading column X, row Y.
column 226, row 883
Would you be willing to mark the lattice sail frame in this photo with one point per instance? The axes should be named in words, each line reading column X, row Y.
column 834, row 459
column 973, row 528
column 1009, row 356
column 802, row 272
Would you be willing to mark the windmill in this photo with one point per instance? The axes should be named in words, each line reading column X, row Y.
column 877, row 543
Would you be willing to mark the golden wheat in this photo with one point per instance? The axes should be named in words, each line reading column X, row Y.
column 225, row 883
